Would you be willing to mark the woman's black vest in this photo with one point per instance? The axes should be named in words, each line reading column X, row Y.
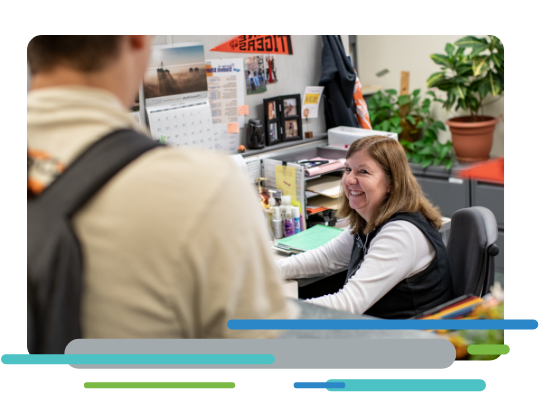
column 414, row 295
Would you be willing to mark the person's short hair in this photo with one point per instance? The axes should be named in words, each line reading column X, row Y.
column 405, row 193
column 85, row 53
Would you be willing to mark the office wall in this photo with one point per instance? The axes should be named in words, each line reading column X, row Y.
column 411, row 53
column 294, row 72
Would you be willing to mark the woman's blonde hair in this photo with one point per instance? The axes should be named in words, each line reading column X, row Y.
column 405, row 194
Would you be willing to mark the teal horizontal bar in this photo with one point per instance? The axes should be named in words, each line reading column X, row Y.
column 382, row 324
column 424, row 385
column 138, row 359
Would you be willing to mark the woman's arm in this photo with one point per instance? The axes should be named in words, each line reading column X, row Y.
column 325, row 260
column 399, row 251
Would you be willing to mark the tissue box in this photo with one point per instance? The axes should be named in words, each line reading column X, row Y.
column 344, row 136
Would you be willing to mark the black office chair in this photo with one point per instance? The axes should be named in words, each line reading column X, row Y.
column 471, row 249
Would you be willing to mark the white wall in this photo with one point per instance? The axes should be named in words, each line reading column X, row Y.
column 411, row 53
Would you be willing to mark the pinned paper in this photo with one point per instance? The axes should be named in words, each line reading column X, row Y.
column 232, row 128
column 269, row 44
column 312, row 97
column 286, row 181
column 243, row 110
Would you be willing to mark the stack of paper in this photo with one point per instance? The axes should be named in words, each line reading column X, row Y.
column 327, row 185
column 309, row 239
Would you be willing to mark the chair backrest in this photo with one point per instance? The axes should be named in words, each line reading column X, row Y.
column 471, row 249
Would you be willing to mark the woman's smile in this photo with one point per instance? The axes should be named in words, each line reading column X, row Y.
column 364, row 184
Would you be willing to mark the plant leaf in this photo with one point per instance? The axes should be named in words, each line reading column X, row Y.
column 480, row 64
column 426, row 162
column 495, row 84
column 449, row 164
column 460, row 91
column 416, row 92
column 478, row 49
column 403, row 99
column 435, row 79
column 391, row 91
column 428, row 150
column 439, row 124
column 395, row 120
column 440, row 59
column 471, row 42
column 498, row 59
column 449, row 49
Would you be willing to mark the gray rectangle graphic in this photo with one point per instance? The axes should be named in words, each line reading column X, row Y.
column 289, row 353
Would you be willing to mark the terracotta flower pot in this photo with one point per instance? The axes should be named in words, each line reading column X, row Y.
column 472, row 140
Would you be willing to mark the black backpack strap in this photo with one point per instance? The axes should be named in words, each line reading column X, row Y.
column 92, row 169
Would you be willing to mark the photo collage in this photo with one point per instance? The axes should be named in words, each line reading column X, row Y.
column 282, row 119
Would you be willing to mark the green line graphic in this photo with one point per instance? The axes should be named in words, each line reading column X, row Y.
column 505, row 349
column 409, row 385
column 157, row 385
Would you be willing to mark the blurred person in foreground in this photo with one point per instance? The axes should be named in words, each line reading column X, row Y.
column 174, row 245
column 397, row 263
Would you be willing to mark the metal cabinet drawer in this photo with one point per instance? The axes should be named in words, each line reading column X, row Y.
column 448, row 196
column 490, row 196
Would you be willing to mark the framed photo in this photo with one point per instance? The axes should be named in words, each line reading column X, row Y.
column 291, row 118
column 272, row 121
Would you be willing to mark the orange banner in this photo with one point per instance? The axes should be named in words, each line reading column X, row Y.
column 252, row 44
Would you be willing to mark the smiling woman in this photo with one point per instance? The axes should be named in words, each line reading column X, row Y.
column 396, row 262
column 377, row 158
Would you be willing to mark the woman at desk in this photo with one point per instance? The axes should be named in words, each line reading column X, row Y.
column 397, row 262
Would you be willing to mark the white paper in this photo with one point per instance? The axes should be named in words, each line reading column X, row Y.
column 188, row 124
column 223, row 141
column 225, row 79
column 310, row 103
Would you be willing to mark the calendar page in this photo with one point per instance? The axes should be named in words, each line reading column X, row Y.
column 188, row 124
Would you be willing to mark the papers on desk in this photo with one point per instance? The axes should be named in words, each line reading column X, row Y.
column 309, row 239
column 327, row 185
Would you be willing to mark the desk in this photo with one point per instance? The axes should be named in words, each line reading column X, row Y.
column 291, row 286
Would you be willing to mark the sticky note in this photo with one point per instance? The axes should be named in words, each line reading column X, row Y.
column 286, row 180
column 243, row 109
column 232, row 128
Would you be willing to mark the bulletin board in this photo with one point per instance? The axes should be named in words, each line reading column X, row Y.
column 294, row 72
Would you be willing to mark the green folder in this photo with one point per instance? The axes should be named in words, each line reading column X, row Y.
column 309, row 239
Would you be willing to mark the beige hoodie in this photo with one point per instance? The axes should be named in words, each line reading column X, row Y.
column 174, row 246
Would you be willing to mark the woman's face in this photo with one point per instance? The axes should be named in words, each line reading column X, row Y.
column 364, row 184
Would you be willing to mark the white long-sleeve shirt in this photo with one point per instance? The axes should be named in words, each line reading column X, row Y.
column 399, row 251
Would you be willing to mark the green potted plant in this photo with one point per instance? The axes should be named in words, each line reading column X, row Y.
column 428, row 151
column 408, row 116
column 471, row 69
column 405, row 115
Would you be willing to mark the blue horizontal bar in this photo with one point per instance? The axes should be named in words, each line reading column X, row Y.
column 138, row 359
column 323, row 385
column 382, row 324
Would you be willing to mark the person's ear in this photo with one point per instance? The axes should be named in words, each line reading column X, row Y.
column 138, row 41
